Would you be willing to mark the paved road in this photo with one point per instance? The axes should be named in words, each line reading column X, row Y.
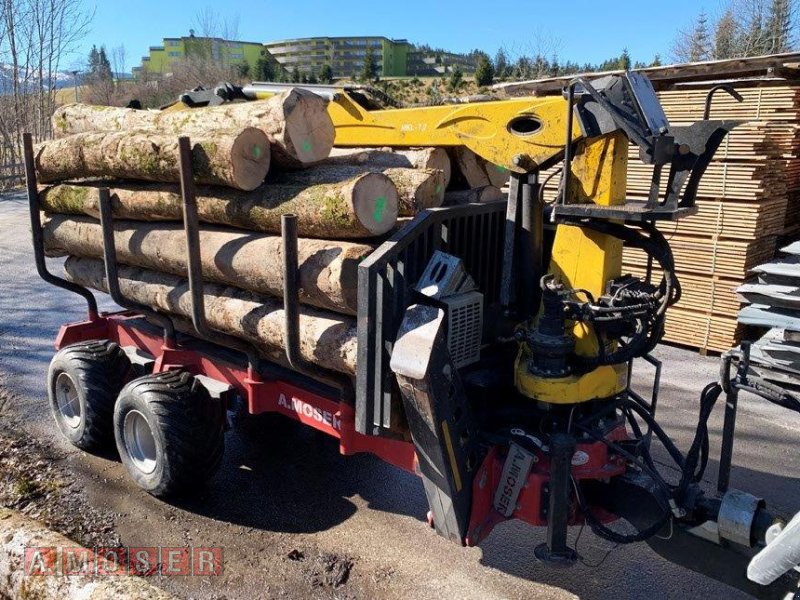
column 285, row 488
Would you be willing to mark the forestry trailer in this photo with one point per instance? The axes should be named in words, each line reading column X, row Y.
column 495, row 344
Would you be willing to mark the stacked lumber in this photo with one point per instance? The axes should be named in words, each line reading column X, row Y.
column 254, row 162
column 747, row 202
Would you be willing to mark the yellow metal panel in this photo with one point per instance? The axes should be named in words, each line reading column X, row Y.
column 588, row 260
column 600, row 171
column 604, row 382
column 484, row 127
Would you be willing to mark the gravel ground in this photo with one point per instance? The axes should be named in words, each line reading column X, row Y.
column 295, row 519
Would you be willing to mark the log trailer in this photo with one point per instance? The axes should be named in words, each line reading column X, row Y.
column 495, row 346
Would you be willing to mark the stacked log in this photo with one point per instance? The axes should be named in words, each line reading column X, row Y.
column 387, row 158
column 327, row 340
column 417, row 189
column 363, row 206
column 328, row 270
column 343, row 209
column 238, row 159
column 296, row 122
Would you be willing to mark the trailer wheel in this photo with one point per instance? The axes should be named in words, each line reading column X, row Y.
column 83, row 382
column 169, row 432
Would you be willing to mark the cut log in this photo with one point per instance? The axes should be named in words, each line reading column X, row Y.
column 236, row 159
column 361, row 207
column 328, row 270
column 417, row 189
column 327, row 340
column 385, row 158
column 487, row 193
column 296, row 122
column 478, row 172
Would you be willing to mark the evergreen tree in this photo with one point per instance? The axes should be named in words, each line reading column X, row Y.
column 99, row 65
column 555, row 68
column 295, row 75
column 313, row 78
column 265, row 70
column 656, row 61
column 725, row 36
column 484, row 72
column 624, row 62
column 779, row 27
column 456, row 78
column 501, row 66
column 94, row 59
column 326, row 74
column 243, row 70
column 699, row 43
column 370, row 69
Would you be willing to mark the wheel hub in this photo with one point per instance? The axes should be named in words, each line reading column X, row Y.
column 140, row 442
column 67, row 401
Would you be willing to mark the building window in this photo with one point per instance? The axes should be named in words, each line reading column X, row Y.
column 173, row 43
column 173, row 53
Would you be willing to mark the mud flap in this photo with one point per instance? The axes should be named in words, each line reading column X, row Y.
column 439, row 417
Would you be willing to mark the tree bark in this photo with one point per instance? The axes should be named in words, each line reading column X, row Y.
column 385, row 158
column 296, row 122
column 363, row 206
column 328, row 270
column 417, row 189
column 487, row 193
column 478, row 172
column 327, row 340
column 236, row 159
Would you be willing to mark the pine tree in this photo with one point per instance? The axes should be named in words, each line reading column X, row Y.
column 295, row 75
column 699, row 48
column 501, row 66
column 726, row 37
column 313, row 78
column 326, row 74
column 243, row 70
column 264, row 70
column 370, row 70
column 779, row 27
column 94, row 59
column 456, row 78
column 484, row 72
column 624, row 60
column 656, row 61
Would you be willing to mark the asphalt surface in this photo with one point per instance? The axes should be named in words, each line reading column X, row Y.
column 285, row 504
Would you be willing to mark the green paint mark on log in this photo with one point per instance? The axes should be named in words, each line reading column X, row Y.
column 380, row 205
column 306, row 146
column 439, row 188
column 500, row 168
column 257, row 151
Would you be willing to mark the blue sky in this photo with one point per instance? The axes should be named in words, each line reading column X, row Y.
column 581, row 30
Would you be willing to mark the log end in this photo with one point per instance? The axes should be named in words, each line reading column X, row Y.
column 250, row 158
column 490, row 193
column 439, row 159
column 375, row 202
column 309, row 128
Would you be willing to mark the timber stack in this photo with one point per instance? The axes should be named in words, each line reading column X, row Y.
column 253, row 162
